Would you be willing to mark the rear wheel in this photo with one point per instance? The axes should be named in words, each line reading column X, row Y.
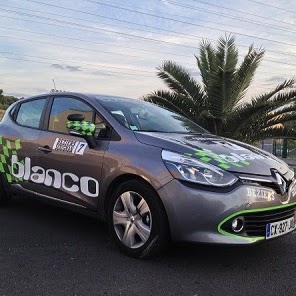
column 137, row 220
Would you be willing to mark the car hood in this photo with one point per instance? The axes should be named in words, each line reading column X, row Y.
column 231, row 155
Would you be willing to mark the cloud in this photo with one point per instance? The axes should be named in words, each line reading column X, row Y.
column 100, row 73
column 66, row 67
column 276, row 79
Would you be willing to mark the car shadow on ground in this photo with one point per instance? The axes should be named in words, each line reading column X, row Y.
column 41, row 241
column 43, row 223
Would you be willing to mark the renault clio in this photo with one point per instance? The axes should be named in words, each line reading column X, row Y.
column 151, row 174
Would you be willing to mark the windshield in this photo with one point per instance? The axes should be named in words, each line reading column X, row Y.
column 142, row 116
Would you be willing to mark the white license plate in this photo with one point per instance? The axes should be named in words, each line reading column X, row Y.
column 279, row 228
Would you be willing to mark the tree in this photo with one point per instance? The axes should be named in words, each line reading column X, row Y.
column 217, row 101
column 6, row 101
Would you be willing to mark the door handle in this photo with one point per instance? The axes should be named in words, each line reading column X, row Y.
column 45, row 149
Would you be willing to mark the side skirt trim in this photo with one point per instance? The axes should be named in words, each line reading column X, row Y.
column 21, row 188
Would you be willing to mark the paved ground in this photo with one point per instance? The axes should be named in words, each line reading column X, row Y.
column 50, row 251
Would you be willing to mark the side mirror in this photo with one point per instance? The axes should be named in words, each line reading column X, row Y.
column 81, row 128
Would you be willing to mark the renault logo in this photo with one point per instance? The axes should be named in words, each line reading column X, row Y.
column 281, row 183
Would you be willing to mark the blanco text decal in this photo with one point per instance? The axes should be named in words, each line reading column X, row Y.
column 51, row 177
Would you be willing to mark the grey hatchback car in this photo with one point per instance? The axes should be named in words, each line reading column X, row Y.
column 151, row 174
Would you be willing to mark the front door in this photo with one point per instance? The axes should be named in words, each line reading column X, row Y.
column 68, row 169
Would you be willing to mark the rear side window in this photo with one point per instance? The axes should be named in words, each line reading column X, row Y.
column 62, row 107
column 29, row 113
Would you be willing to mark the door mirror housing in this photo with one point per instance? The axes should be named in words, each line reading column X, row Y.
column 82, row 128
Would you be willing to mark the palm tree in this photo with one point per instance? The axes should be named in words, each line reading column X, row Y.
column 217, row 102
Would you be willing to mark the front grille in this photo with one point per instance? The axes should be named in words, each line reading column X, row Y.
column 274, row 186
column 255, row 222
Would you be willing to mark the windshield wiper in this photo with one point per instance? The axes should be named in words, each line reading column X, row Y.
column 150, row 131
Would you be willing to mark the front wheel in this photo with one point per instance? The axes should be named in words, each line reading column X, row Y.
column 137, row 220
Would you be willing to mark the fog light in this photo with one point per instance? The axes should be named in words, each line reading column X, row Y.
column 238, row 224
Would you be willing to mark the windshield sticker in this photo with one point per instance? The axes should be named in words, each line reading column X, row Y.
column 70, row 146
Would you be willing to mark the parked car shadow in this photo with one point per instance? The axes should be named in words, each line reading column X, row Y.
column 44, row 241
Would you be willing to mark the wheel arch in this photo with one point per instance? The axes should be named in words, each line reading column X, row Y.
column 124, row 178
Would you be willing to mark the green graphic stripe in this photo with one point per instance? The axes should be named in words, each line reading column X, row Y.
column 7, row 149
column 252, row 239
column 208, row 156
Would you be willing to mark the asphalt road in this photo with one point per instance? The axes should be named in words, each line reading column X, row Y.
column 45, row 250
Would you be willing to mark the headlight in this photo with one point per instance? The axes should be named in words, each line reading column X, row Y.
column 190, row 169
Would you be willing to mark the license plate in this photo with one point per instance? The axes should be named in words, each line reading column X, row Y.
column 280, row 228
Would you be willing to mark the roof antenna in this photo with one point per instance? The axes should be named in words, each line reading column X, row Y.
column 55, row 88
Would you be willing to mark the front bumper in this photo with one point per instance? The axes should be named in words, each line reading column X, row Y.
column 198, row 215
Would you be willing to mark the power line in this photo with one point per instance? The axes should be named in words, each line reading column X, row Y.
column 92, row 50
column 275, row 61
column 183, row 22
column 269, row 5
column 101, row 23
column 60, row 7
column 110, row 31
column 244, row 12
column 183, row 34
column 266, row 59
column 84, row 68
column 97, row 42
column 51, row 64
column 191, row 7
column 83, row 40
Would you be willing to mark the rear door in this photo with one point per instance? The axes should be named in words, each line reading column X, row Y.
column 70, row 171
column 19, row 141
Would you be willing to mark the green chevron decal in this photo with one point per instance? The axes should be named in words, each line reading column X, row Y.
column 7, row 149
column 224, row 161
column 84, row 127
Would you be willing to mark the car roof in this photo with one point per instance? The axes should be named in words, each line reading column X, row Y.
column 99, row 97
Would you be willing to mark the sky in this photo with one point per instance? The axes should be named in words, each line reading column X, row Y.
column 114, row 47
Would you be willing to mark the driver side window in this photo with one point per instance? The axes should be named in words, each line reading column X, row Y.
column 62, row 107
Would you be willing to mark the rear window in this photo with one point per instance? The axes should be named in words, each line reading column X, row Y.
column 29, row 113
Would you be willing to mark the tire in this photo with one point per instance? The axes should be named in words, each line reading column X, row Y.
column 137, row 220
column 4, row 195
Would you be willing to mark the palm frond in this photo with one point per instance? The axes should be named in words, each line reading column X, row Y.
column 280, row 119
column 287, row 84
column 282, row 110
column 179, row 80
column 245, row 74
column 174, row 102
column 206, row 62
